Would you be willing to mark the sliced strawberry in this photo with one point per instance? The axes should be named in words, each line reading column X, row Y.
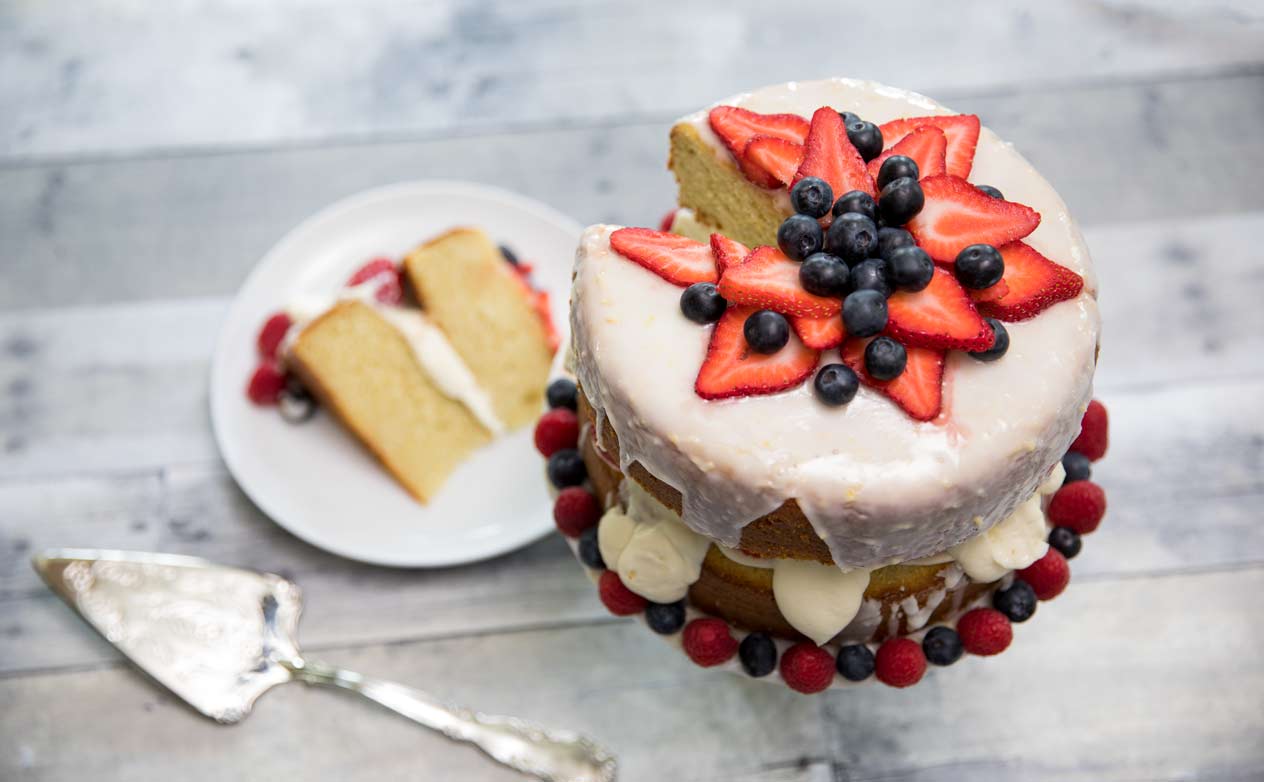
column 989, row 294
column 676, row 259
column 927, row 146
column 940, row 315
column 767, row 279
column 776, row 156
column 665, row 223
column 828, row 154
column 375, row 267
column 957, row 214
column 736, row 127
column 732, row 369
column 962, row 131
column 919, row 388
column 728, row 253
column 820, row 333
column 1034, row 283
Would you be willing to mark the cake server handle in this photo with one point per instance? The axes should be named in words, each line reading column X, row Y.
column 550, row 754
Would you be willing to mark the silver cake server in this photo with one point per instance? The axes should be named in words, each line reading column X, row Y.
column 219, row 637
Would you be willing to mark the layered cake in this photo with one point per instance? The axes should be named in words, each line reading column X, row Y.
column 836, row 423
column 423, row 360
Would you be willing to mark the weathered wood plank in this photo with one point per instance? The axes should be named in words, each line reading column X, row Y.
column 1183, row 495
column 159, row 227
column 87, row 80
column 1099, row 684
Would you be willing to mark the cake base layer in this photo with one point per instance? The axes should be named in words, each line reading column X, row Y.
column 469, row 291
column 899, row 598
column 360, row 367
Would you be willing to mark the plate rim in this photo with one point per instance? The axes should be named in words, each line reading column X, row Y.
column 219, row 357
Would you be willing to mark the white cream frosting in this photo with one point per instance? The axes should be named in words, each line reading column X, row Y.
column 438, row 359
column 1016, row 542
column 655, row 555
column 817, row 600
column 686, row 223
column 877, row 486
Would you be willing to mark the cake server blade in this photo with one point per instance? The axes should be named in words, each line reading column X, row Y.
column 219, row 637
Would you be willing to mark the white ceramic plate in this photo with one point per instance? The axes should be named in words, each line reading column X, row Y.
column 313, row 478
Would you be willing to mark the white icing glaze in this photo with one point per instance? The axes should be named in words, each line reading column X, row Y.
column 655, row 555
column 877, row 486
column 438, row 359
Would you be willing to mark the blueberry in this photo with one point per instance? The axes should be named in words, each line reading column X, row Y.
column 895, row 167
column 836, row 384
column 766, row 331
column 812, row 196
column 892, row 239
column 799, row 236
column 942, row 646
column 911, row 269
column 295, row 403
column 848, row 117
column 992, row 191
column 589, row 551
column 865, row 313
column 900, row 201
column 1018, row 602
column 824, row 275
column 509, row 255
column 566, row 468
column 665, row 618
column 702, row 303
column 1077, row 467
column 852, row 237
column 563, row 393
column 758, row 654
column 855, row 662
column 885, row 359
column 866, row 137
column 999, row 345
column 1066, row 541
column 979, row 266
column 871, row 274
column 858, row 202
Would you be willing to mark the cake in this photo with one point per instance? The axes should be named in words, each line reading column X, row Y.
column 423, row 362
column 837, row 423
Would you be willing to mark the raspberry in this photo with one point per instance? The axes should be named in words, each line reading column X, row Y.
column 1078, row 506
column 618, row 599
column 1048, row 575
column 272, row 333
column 900, row 662
column 807, row 668
column 1093, row 438
column 266, row 384
column 575, row 510
column 984, row 631
column 370, row 270
column 708, row 642
column 556, row 430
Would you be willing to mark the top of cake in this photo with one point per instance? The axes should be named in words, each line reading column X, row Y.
column 889, row 476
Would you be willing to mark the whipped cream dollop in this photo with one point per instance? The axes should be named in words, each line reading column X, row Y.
column 1013, row 544
column 654, row 553
column 876, row 486
column 438, row 359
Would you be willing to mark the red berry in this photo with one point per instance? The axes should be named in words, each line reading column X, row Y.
column 272, row 333
column 665, row 224
column 1093, row 438
column 390, row 292
column 575, row 510
column 708, row 641
column 370, row 270
column 1079, row 506
column 266, row 384
column 1048, row 576
column 807, row 668
column 556, row 430
column 985, row 631
column 900, row 662
column 618, row 599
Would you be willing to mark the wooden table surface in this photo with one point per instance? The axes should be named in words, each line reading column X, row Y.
column 151, row 152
